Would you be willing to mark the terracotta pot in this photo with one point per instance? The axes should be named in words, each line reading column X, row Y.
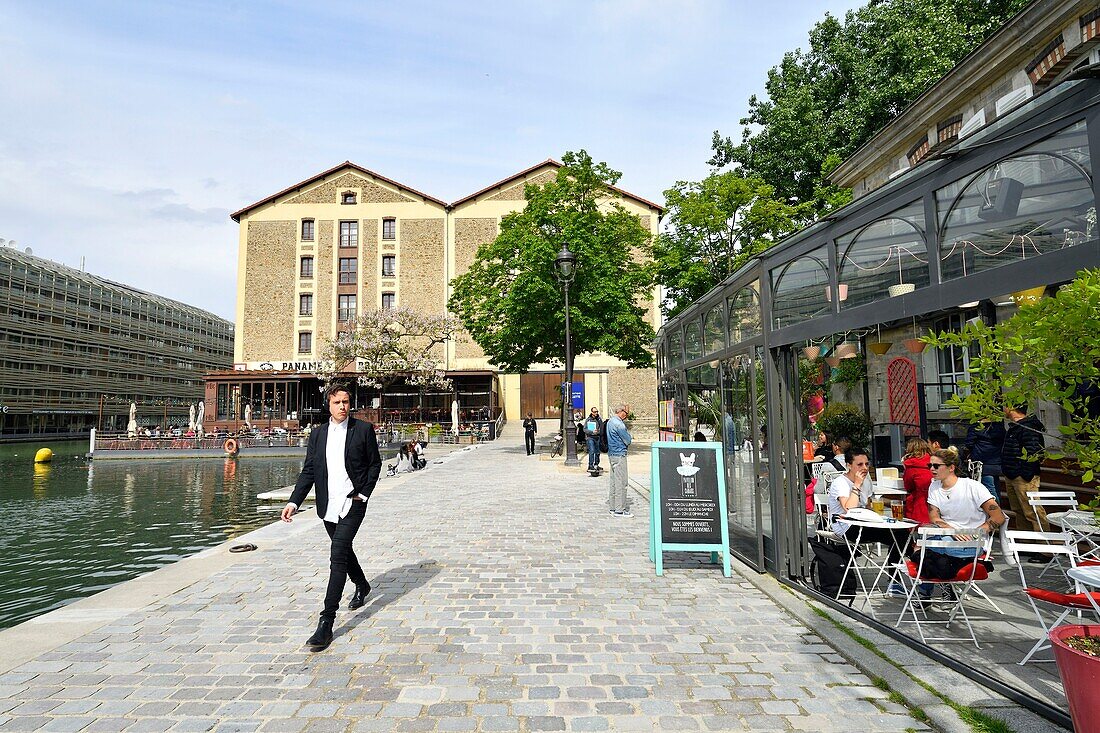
column 915, row 346
column 1080, row 674
column 879, row 348
column 833, row 361
column 842, row 288
column 811, row 352
column 845, row 350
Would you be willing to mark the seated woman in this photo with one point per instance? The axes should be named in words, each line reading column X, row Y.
column 916, row 478
column 854, row 489
column 955, row 502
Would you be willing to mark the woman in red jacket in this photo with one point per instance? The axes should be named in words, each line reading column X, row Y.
column 917, row 477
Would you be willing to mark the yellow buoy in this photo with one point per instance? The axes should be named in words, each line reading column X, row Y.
column 44, row 455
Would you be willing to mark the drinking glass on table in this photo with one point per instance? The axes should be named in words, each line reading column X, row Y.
column 878, row 506
column 897, row 508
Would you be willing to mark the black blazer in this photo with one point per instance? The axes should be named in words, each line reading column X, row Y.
column 361, row 459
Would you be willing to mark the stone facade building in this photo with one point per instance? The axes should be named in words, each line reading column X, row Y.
column 347, row 240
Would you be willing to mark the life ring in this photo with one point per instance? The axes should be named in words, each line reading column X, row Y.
column 231, row 446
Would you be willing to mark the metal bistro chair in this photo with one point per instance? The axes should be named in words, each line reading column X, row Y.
column 1056, row 543
column 1057, row 500
column 965, row 579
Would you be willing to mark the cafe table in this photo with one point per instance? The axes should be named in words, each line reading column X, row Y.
column 900, row 529
column 1083, row 526
column 1089, row 577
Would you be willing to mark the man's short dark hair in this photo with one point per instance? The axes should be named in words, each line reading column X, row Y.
column 334, row 388
column 851, row 453
column 939, row 436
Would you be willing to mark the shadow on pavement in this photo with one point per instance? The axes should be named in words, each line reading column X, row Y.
column 387, row 588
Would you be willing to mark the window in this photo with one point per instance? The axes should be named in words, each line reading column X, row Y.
column 349, row 234
column 307, row 230
column 307, row 267
column 305, row 304
column 347, row 308
column 389, row 228
column 305, row 342
column 348, row 269
column 389, row 265
column 347, row 197
column 389, row 300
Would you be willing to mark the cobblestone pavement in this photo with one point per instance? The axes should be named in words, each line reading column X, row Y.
column 506, row 599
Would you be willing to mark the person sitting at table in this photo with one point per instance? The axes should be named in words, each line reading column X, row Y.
column 955, row 502
column 823, row 450
column 841, row 444
column 854, row 489
column 916, row 479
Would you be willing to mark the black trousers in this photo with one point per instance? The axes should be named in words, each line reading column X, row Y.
column 342, row 563
column 529, row 441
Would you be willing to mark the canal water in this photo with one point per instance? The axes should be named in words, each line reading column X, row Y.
column 75, row 527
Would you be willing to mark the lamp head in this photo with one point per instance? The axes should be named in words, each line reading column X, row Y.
column 565, row 265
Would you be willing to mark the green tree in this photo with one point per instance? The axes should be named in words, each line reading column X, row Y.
column 510, row 300
column 855, row 76
column 713, row 227
column 1046, row 351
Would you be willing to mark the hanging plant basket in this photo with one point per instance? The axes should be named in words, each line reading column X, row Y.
column 811, row 352
column 879, row 348
column 833, row 361
column 896, row 290
column 845, row 350
column 1031, row 296
column 915, row 346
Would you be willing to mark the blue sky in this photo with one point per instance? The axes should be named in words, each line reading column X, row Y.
column 129, row 131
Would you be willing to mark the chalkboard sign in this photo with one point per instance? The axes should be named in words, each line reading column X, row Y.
column 688, row 500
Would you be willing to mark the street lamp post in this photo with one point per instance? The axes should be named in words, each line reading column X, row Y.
column 566, row 266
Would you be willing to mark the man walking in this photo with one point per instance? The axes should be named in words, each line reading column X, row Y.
column 618, row 440
column 592, row 427
column 529, row 430
column 342, row 464
column 1025, row 433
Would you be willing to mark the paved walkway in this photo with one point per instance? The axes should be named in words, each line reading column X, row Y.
column 506, row 598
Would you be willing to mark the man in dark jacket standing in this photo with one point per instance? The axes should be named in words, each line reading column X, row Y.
column 985, row 441
column 342, row 465
column 530, row 427
column 593, row 426
column 1025, row 433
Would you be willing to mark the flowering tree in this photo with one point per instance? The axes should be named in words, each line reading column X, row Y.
column 389, row 344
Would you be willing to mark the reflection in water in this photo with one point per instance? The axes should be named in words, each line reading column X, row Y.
column 72, row 530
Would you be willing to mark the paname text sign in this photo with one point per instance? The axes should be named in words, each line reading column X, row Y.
column 688, row 501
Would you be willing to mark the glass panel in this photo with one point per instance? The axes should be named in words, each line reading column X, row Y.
column 738, row 427
column 885, row 258
column 1036, row 201
column 675, row 347
column 714, row 330
column 801, row 289
column 744, row 316
column 694, row 337
column 763, row 487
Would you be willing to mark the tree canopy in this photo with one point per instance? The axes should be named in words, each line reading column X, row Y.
column 855, row 76
column 510, row 300
column 390, row 344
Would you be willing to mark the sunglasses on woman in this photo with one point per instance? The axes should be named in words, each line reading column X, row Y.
column 934, row 466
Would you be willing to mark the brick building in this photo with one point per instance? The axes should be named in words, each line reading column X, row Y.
column 346, row 240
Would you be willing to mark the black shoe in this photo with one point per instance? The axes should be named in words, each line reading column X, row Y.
column 322, row 637
column 359, row 598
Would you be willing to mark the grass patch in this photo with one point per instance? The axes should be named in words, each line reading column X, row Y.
column 978, row 721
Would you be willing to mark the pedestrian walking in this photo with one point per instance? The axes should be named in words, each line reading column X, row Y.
column 1024, row 435
column 529, row 430
column 592, row 427
column 342, row 466
column 618, row 440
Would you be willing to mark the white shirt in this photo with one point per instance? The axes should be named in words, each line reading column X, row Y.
column 841, row 488
column 961, row 505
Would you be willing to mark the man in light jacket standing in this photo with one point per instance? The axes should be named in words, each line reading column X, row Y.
column 342, row 466
column 618, row 440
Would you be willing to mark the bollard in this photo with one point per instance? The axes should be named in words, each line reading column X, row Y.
column 44, row 455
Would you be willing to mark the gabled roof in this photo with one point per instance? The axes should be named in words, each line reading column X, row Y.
column 236, row 215
column 548, row 162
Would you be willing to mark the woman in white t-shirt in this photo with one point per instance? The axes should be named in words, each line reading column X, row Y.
column 955, row 502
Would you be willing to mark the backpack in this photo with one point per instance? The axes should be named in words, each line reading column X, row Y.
column 827, row 568
column 603, row 437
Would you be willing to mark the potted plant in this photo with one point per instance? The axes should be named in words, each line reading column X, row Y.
column 843, row 418
column 1077, row 653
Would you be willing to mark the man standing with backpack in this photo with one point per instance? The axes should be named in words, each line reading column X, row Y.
column 593, row 426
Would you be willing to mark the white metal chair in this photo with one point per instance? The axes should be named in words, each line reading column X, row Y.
column 1062, row 501
column 1057, row 544
column 940, row 538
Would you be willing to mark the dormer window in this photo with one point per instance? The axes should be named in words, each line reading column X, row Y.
column 347, row 197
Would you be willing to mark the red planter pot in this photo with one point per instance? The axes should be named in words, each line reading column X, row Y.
column 1080, row 677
